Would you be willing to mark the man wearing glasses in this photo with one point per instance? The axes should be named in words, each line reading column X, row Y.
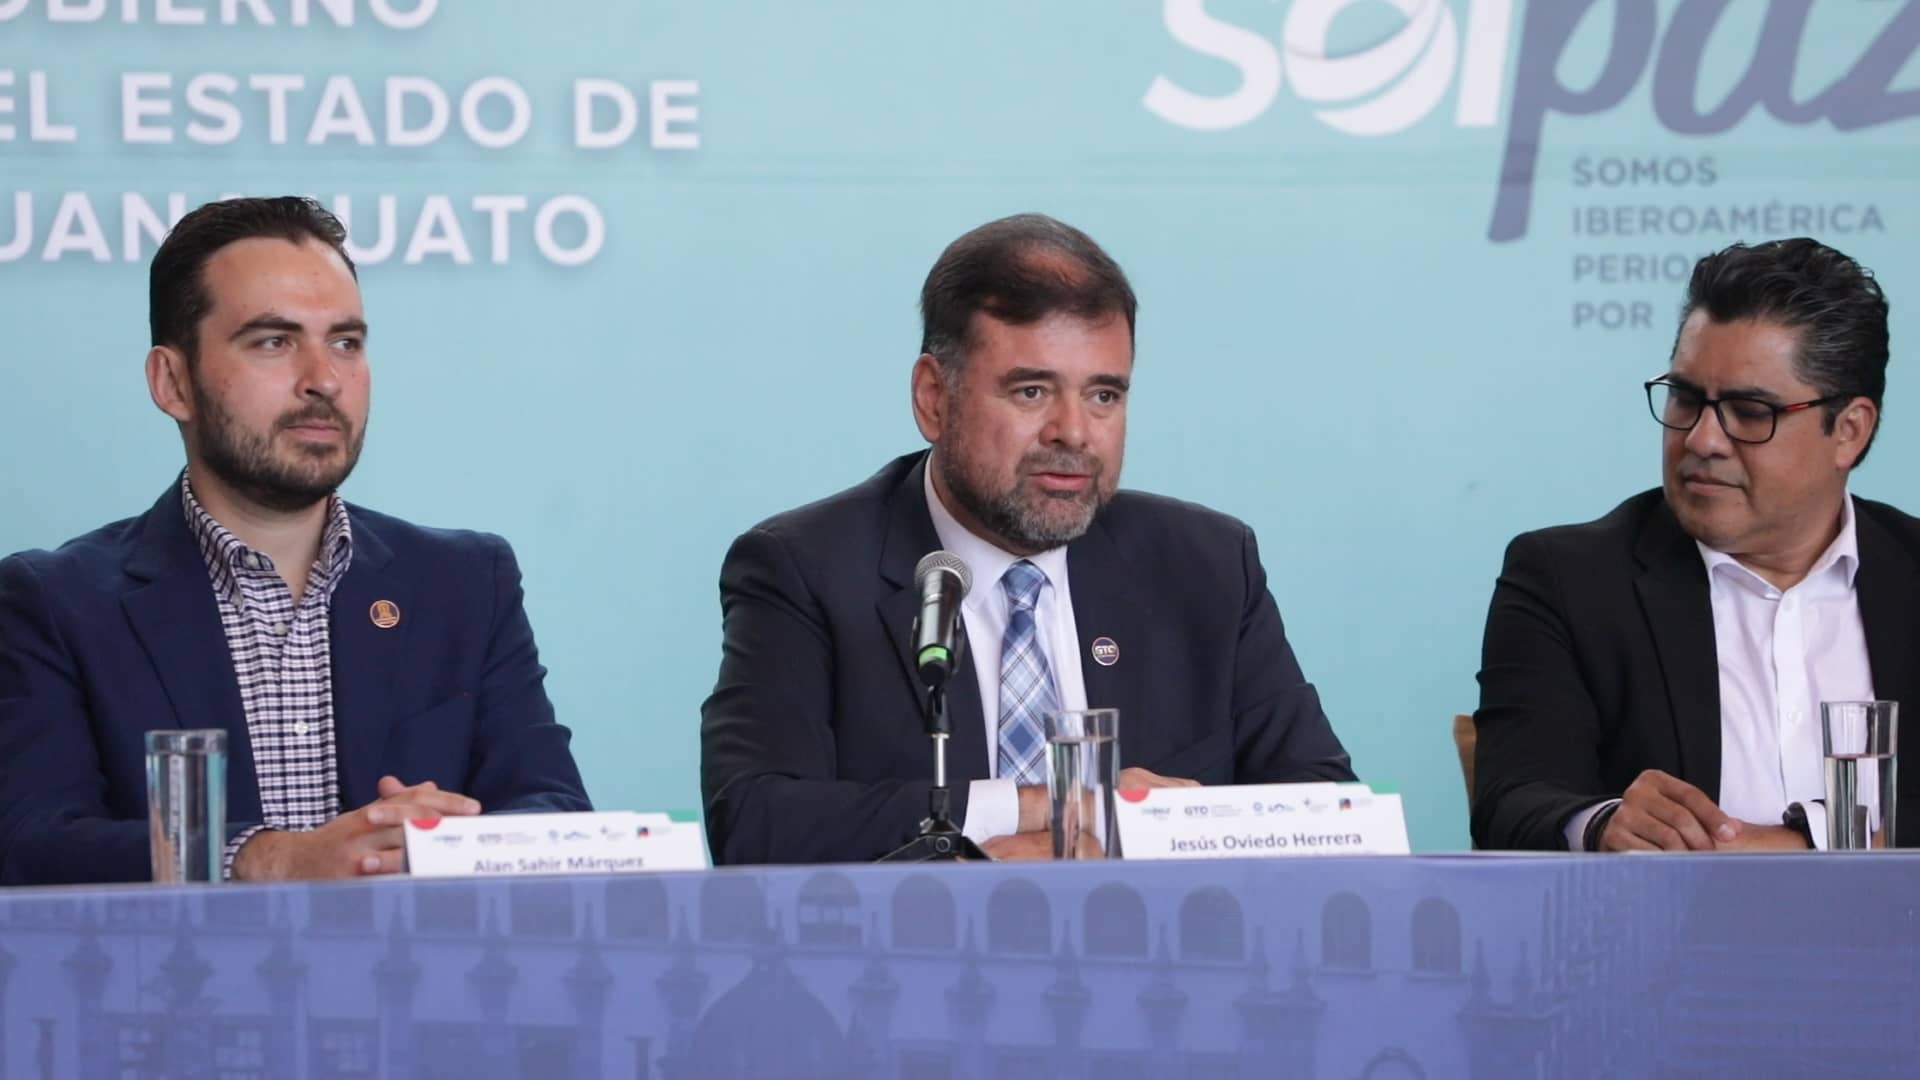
column 1652, row 680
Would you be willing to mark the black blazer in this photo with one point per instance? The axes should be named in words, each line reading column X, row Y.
column 812, row 746
column 1599, row 663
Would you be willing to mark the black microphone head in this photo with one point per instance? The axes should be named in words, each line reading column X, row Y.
column 938, row 561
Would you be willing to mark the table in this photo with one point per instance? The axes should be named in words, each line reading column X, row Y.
column 1435, row 966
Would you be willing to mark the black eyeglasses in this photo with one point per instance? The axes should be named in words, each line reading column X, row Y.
column 1745, row 419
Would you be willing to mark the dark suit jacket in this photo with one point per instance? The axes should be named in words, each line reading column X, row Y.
column 812, row 744
column 118, row 632
column 1600, row 663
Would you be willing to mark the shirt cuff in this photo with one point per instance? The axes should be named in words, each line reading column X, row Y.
column 993, row 809
column 233, row 848
column 1816, row 823
column 1577, row 825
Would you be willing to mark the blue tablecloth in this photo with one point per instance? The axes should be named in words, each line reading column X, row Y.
column 1336, row 967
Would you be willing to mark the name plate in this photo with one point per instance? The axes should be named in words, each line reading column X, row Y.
column 1260, row 820
column 600, row 842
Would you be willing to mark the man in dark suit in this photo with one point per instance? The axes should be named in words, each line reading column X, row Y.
column 365, row 670
column 813, row 748
column 1653, row 679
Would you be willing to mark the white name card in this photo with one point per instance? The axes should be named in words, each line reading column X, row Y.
column 1259, row 821
column 600, row 842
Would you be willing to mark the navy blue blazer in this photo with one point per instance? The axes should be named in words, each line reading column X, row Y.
column 812, row 745
column 118, row 633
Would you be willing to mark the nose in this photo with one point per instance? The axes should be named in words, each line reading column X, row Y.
column 1707, row 439
column 1067, row 423
column 319, row 375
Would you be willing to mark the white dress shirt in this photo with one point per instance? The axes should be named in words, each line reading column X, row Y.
column 1781, row 653
column 993, row 806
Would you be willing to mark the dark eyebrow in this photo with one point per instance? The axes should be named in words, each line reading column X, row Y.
column 1047, row 375
column 1030, row 374
column 266, row 322
column 1756, row 393
column 284, row 325
column 1753, row 393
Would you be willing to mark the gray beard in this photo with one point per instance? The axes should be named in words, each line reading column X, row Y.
column 1012, row 519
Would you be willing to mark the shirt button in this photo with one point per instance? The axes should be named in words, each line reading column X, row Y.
column 299, row 727
column 279, row 628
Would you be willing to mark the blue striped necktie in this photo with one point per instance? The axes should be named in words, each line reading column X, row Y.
column 1026, row 682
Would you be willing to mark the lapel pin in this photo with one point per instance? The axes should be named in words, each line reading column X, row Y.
column 1106, row 652
column 385, row 614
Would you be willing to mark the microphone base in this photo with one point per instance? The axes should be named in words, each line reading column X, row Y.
column 938, row 841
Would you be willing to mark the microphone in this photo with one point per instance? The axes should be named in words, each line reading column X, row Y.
column 943, row 581
column 938, row 637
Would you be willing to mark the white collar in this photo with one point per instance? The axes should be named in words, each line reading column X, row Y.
column 1843, row 553
column 987, row 560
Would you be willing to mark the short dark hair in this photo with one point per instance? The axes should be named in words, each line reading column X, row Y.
column 1829, row 299
column 177, row 298
column 1018, row 269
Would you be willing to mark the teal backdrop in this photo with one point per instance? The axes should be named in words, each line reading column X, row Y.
column 1353, row 333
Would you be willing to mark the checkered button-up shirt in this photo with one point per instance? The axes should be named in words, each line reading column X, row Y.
column 283, row 659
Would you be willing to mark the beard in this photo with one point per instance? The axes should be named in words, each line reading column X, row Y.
column 1028, row 521
column 284, row 481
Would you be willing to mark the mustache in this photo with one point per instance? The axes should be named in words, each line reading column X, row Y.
column 1061, row 461
column 1704, row 476
column 319, row 412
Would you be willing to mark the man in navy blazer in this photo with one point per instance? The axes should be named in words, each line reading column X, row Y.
column 813, row 746
column 365, row 670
